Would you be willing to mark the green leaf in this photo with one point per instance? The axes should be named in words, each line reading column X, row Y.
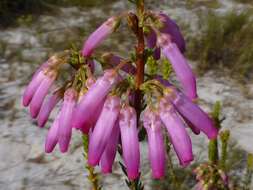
column 166, row 69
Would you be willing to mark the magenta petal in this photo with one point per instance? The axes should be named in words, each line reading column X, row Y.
column 98, row 36
column 52, row 136
column 110, row 151
column 41, row 68
column 66, row 114
column 163, row 81
column 93, row 99
column 32, row 87
column 93, row 119
column 170, row 27
column 151, row 39
column 46, row 109
column 194, row 129
column 194, row 114
column 157, row 153
column 41, row 93
column 177, row 133
column 130, row 142
column 115, row 60
column 182, row 69
column 103, row 129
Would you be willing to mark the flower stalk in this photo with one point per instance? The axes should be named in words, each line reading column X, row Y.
column 140, row 61
column 213, row 151
column 92, row 177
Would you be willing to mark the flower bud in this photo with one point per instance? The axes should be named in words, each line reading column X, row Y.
column 47, row 107
column 99, row 35
column 151, row 39
column 66, row 115
column 152, row 124
column 110, row 151
column 130, row 142
column 193, row 113
column 41, row 92
column 170, row 27
column 52, row 136
column 115, row 60
column 103, row 129
column 180, row 65
column 93, row 99
column 177, row 132
column 32, row 87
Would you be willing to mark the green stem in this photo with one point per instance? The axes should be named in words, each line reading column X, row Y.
column 92, row 177
column 139, row 78
column 140, row 62
column 170, row 166
column 249, row 172
column 224, row 136
column 213, row 153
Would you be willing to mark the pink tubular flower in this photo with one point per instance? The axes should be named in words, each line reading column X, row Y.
column 41, row 92
column 115, row 60
column 103, row 129
column 162, row 81
column 47, row 107
column 151, row 39
column 170, row 27
column 177, row 132
column 98, row 36
column 93, row 99
column 66, row 115
column 153, row 124
column 110, row 151
column 130, row 142
column 193, row 113
column 194, row 129
column 166, row 83
column 52, row 136
column 180, row 65
column 32, row 87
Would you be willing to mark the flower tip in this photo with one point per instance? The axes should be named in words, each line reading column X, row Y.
column 41, row 123
column 34, row 111
column 133, row 175
column 106, row 170
column 25, row 101
column 64, row 149
column 49, row 146
column 48, row 149
column 64, row 144
column 213, row 134
column 158, row 174
column 92, row 162
column 186, row 163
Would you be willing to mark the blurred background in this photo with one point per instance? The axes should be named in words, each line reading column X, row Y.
column 219, row 35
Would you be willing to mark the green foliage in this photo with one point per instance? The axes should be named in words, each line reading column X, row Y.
column 208, row 3
column 20, row 11
column 226, row 41
column 92, row 177
column 12, row 10
column 224, row 138
column 244, row 1
column 166, row 69
column 152, row 65
column 249, row 172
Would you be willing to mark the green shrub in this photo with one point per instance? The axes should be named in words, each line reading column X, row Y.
column 227, row 42
column 12, row 10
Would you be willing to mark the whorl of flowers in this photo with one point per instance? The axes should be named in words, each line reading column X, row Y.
column 112, row 106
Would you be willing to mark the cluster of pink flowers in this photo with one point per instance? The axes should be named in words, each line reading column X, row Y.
column 109, row 118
